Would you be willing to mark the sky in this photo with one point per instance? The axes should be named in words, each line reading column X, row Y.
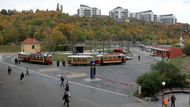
column 180, row 8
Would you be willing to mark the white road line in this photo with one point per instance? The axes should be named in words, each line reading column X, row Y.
column 45, row 75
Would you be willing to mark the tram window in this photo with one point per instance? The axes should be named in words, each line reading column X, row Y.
column 119, row 56
column 85, row 59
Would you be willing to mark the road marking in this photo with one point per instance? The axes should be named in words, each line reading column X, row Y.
column 90, row 80
column 79, row 84
column 75, row 75
column 48, row 70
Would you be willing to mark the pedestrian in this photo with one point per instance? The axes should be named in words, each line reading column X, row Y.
column 16, row 61
column 67, row 86
column 166, row 100
column 62, row 81
column 9, row 70
column 173, row 101
column 57, row 63
column 66, row 98
column 21, row 76
column 27, row 72
column 63, row 62
column 139, row 57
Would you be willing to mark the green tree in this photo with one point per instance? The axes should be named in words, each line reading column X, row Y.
column 186, row 49
column 151, row 83
column 162, row 71
column 4, row 12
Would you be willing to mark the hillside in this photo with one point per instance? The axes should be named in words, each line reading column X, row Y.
column 55, row 28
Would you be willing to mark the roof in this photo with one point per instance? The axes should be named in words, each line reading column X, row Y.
column 160, row 48
column 30, row 41
column 79, row 45
column 114, row 54
column 80, row 56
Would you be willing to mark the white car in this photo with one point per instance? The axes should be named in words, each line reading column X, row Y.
column 129, row 57
column 153, row 54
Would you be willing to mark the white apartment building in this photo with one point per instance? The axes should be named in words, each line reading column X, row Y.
column 119, row 14
column 167, row 19
column 86, row 11
column 147, row 16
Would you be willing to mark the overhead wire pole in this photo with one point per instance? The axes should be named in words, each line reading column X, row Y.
column 49, row 38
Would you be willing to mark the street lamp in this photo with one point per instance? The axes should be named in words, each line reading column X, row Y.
column 163, row 84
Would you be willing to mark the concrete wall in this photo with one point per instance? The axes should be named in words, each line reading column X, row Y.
column 28, row 48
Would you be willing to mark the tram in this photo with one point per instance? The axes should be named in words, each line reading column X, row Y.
column 110, row 58
column 23, row 56
column 41, row 58
column 79, row 59
column 35, row 58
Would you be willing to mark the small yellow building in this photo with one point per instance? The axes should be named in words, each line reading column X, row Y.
column 30, row 45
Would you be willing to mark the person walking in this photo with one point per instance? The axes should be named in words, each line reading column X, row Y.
column 63, row 62
column 57, row 63
column 21, row 76
column 166, row 100
column 16, row 61
column 173, row 101
column 9, row 70
column 62, row 81
column 66, row 98
column 27, row 72
column 139, row 57
column 67, row 86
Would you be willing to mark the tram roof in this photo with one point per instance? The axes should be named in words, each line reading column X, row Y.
column 80, row 56
column 24, row 53
column 115, row 54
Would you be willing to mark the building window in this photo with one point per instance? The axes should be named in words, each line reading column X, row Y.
column 33, row 46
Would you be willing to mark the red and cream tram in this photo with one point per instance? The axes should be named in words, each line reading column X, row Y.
column 79, row 59
column 110, row 58
column 35, row 57
column 23, row 56
column 41, row 58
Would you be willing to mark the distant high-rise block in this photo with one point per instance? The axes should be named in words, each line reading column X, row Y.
column 167, row 19
column 147, row 16
column 119, row 14
column 86, row 11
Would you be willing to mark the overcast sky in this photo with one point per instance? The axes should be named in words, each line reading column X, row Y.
column 180, row 8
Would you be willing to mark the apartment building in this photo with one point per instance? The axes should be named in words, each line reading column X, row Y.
column 167, row 19
column 119, row 14
column 86, row 11
column 147, row 16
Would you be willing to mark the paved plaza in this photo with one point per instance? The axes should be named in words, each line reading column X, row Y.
column 114, row 86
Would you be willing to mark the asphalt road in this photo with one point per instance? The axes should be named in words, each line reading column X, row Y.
column 39, row 90
column 42, row 88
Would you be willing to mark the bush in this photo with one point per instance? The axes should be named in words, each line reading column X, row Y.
column 162, row 71
column 165, row 67
column 186, row 49
column 151, row 83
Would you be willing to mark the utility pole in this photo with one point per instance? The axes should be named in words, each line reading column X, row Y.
column 49, row 39
column 131, row 40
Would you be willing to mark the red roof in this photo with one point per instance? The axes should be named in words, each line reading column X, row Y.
column 30, row 41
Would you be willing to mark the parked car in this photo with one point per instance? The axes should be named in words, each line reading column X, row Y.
column 152, row 54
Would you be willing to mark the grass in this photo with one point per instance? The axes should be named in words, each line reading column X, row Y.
column 59, row 57
column 9, row 48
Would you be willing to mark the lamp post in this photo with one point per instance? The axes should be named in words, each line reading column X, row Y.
column 163, row 84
